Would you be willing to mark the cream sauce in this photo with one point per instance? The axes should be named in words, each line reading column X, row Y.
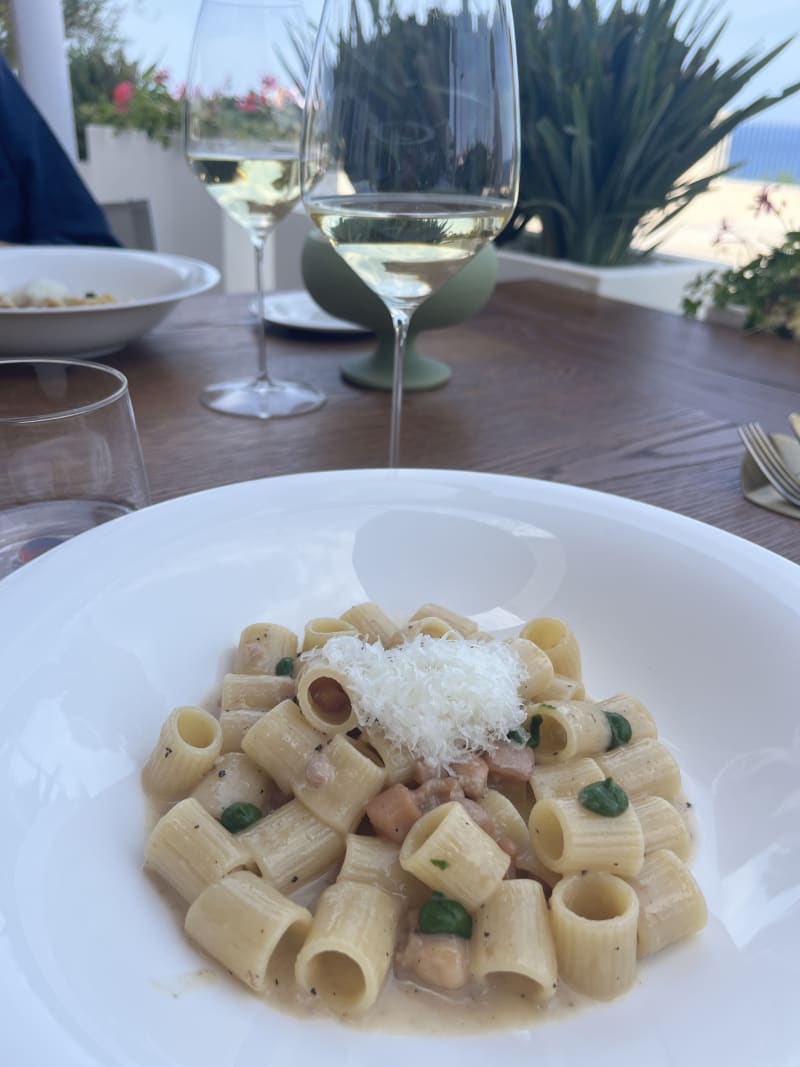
column 401, row 1008
column 405, row 1008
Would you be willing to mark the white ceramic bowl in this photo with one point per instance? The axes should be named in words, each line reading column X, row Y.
column 146, row 285
column 108, row 632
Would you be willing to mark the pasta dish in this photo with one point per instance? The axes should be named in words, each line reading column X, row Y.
column 44, row 293
column 423, row 805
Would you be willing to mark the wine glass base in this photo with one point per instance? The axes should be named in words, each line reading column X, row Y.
column 253, row 399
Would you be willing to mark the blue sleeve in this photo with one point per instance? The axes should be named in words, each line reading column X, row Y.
column 42, row 197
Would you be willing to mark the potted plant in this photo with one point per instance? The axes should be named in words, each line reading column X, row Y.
column 762, row 296
column 617, row 108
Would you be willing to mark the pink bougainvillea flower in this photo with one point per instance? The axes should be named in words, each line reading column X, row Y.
column 180, row 91
column 161, row 77
column 249, row 103
column 268, row 82
column 121, row 96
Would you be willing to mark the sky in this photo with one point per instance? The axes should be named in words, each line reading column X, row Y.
column 160, row 31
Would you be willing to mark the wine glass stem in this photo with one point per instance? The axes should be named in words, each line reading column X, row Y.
column 400, row 321
column 261, row 333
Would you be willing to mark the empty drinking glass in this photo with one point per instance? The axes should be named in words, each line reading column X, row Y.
column 70, row 456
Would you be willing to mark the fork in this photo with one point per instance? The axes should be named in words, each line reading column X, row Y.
column 770, row 462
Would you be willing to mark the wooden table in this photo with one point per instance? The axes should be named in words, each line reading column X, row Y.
column 547, row 383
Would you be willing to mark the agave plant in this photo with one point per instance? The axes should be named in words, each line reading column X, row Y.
column 616, row 109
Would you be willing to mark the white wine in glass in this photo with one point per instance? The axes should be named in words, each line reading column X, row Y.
column 410, row 151
column 244, row 118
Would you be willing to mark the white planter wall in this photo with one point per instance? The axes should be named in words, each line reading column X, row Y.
column 129, row 166
column 659, row 283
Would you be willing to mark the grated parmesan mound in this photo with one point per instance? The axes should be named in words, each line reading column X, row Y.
column 441, row 699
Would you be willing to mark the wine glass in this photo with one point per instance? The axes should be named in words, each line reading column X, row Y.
column 410, row 149
column 243, row 119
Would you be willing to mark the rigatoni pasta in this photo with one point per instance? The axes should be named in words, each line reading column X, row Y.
column 255, row 692
column 381, row 801
column 189, row 742
column 348, row 952
column 291, row 847
column 595, row 918
column 671, row 906
column 569, row 838
column 447, row 851
column 190, row 850
column 262, row 646
column 247, row 925
column 513, row 944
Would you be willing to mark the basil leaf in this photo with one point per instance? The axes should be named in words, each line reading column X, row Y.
column 285, row 666
column 604, row 798
column 620, row 730
column 440, row 915
column 533, row 727
column 516, row 737
column 237, row 817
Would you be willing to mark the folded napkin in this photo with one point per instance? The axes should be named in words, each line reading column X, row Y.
column 755, row 486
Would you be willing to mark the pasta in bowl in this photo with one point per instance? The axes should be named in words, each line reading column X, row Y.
column 424, row 808
column 80, row 300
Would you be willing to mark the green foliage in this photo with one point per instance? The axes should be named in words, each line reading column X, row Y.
column 98, row 65
column 89, row 26
column 615, row 109
column 768, row 288
column 151, row 107
column 391, row 76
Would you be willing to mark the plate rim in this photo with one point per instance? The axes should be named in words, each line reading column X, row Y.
column 779, row 567
column 337, row 325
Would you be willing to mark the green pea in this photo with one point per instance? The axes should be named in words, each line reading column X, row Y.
column 440, row 915
column 620, row 730
column 604, row 798
column 237, row 817
column 285, row 666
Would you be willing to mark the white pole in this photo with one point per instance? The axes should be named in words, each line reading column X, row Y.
column 43, row 68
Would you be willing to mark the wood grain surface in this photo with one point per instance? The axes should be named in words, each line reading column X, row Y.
column 546, row 383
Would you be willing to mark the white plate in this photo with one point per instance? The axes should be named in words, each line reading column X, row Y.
column 147, row 286
column 297, row 310
column 105, row 634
